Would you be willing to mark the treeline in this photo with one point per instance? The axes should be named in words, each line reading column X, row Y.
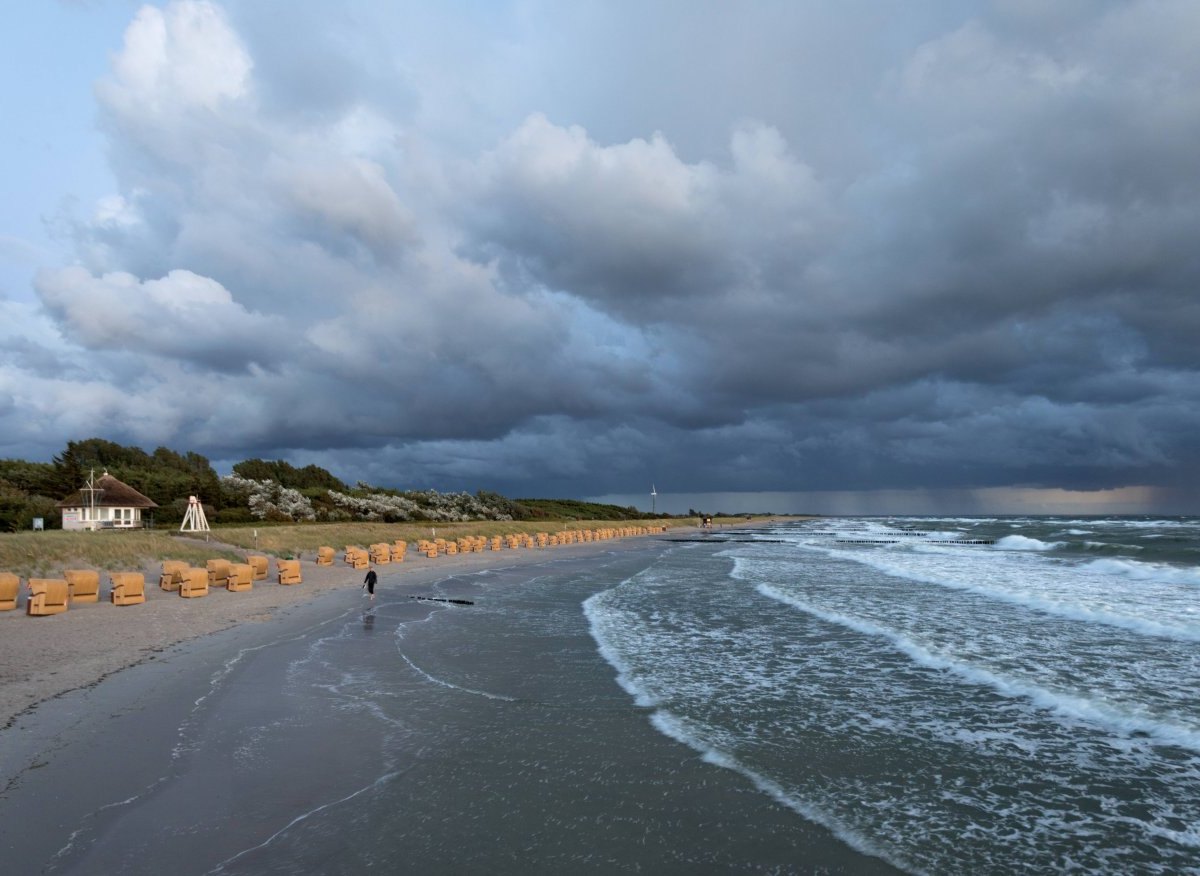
column 287, row 475
column 574, row 509
column 31, row 489
column 266, row 490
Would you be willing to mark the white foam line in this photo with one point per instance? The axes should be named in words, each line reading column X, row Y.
column 303, row 817
column 671, row 726
column 427, row 619
column 593, row 610
column 75, row 834
column 481, row 693
column 400, row 627
column 1075, row 707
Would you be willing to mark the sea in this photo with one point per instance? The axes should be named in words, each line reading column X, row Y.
column 952, row 695
column 864, row 695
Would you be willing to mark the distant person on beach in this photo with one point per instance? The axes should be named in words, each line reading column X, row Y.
column 369, row 583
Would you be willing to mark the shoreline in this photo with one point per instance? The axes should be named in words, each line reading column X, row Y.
column 43, row 658
column 441, row 718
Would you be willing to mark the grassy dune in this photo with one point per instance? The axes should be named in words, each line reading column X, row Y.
column 47, row 554
column 41, row 554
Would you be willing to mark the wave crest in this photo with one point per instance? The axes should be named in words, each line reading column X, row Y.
column 1024, row 543
column 1145, row 571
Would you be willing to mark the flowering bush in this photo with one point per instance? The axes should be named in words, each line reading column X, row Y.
column 267, row 499
column 416, row 505
column 375, row 506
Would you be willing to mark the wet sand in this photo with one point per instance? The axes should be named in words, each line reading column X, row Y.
column 44, row 657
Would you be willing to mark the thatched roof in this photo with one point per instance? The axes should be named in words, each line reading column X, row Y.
column 110, row 493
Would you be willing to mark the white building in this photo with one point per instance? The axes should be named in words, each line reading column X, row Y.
column 107, row 504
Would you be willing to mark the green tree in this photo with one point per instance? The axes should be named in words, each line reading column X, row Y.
column 255, row 469
column 287, row 475
column 32, row 477
column 69, row 473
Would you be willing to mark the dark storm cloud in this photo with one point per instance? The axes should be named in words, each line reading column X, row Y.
column 772, row 248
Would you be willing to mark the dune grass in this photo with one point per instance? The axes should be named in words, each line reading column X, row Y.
column 47, row 554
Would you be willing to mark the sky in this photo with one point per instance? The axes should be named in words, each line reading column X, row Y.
column 833, row 256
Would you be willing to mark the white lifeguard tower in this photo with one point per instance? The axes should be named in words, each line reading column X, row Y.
column 194, row 520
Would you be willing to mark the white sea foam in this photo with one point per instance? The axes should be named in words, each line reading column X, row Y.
column 1139, row 571
column 1026, row 580
column 1112, row 546
column 1113, row 716
column 1159, row 524
column 1024, row 543
column 605, row 625
column 967, row 521
column 1188, row 836
column 757, row 689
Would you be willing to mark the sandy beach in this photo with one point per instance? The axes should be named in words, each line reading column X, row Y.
column 45, row 657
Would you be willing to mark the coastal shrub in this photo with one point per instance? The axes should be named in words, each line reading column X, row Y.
column 455, row 506
column 267, row 500
column 375, row 506
column 234, row 515
column 502, row 505
column 391, row 506
column 18, row 509
column 280, row 504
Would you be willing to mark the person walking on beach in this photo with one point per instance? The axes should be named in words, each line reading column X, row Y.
column 369, row 583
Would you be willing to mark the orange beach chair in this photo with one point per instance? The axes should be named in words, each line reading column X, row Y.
column 194, row 583
column 241, row 577
column 259, row 564
column 83, row 585
column 172, row 575
column 128, row 588
column 47, row 596
column 10, row 587
column 289, row 571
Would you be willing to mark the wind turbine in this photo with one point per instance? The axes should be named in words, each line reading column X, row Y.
column 653, row 500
